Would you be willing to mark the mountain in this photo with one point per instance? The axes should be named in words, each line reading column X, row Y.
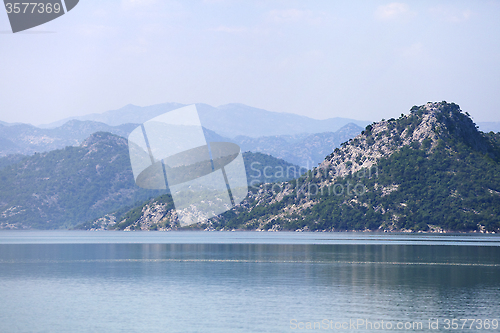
column 156, row 214
column 304, row 149
column 27, row 139
column 228, row 120
column 232, row 120
column 66, row 187
column 8, row 124
column 262, row 168
column 291, row 139
column 429, row 170
column 300, row 149
column 128, row 114
column 8, row 147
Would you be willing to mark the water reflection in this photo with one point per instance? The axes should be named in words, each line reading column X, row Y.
column 241, row 287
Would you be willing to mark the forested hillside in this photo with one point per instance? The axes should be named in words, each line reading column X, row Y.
column 69, row 186
column 429, row 170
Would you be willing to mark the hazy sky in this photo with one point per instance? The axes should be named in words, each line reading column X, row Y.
column 358, row 59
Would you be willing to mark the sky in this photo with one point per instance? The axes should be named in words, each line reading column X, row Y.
column 366, row 60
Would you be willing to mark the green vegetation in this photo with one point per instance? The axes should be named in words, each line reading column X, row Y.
column 65, row 187
column 457, row 191
column 453, row 187
column 10, row 160
column 76, row 185
column 261, row 168
column 451, row 184
column 431, row 170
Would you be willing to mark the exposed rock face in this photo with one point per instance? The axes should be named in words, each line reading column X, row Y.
column 384, row 138
column 155, row 216
column 424, row 127
column 99, row 140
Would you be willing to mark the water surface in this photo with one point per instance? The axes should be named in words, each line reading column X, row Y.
column 243, row 282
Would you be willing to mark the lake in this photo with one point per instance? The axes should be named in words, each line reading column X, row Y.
column 79, row 281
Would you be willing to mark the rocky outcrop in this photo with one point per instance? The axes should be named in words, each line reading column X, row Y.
column 431, row 122
column 345, row 191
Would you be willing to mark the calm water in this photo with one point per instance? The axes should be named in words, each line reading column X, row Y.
column 62, row 281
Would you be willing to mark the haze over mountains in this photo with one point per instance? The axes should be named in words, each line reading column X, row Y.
column 243, row 120
column 228, row 120
column 27, row 139
column 305, row 150
column 296, row 139
column 434, row 168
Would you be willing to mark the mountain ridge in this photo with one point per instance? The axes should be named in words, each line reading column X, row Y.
column 302, row 149
column 306, row 150
column 430, row 170
column 66, row 187
column 28, row 139
column 51, row 190
column 228, row 120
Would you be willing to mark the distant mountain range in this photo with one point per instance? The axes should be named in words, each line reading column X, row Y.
column 306, row 150
column 27, row 139
column 9, row 124
column 228, row 120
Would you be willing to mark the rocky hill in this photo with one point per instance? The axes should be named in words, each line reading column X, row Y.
column 69, row 186
column 429, row 170
column 428, row 123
